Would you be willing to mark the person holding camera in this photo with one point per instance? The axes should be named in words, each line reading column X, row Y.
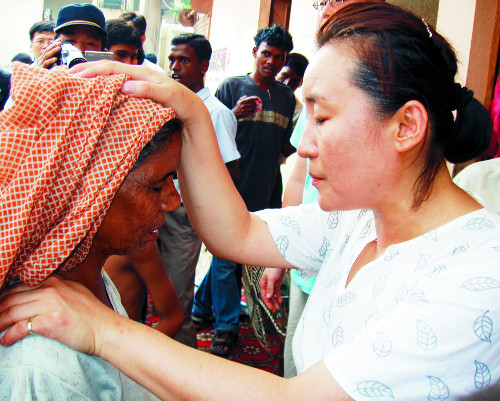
column 82, row 26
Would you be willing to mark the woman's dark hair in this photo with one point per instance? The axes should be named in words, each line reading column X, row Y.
column 402, row 58
column 160, row 138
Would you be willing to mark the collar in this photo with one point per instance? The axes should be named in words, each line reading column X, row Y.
column 203, row 93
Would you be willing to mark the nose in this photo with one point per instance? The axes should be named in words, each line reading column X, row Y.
column 170, row 199
column 307, row 145
column 175, row 65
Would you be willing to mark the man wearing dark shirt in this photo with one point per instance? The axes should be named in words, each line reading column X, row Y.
column 264, row 109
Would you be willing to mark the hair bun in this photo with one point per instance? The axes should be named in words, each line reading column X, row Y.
column 473, row 128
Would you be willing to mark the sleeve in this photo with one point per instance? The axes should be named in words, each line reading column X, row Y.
column 437, row 344
column 303, row 234
column 225, row 126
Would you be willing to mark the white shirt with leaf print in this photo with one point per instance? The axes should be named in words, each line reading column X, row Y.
column 419, row 323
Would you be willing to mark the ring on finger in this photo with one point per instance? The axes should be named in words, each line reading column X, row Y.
column 29, row 326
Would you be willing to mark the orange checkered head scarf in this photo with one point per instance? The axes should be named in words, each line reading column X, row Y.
column 65, row 148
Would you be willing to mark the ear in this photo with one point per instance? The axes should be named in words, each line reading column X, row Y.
column 254, row 52
column 410, row 123
column 204, row 66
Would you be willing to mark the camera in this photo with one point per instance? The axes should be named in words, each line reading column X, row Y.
column 69, row 55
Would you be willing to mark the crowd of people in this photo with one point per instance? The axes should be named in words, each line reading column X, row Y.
column 394, row 267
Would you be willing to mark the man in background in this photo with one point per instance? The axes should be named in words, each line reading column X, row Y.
column 264, row 110
column 41, row 36
column 123, row 41
column 292, row 75
column 179, row 243
column 80, row 24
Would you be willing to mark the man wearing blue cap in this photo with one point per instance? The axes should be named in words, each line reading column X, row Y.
column 82, row 25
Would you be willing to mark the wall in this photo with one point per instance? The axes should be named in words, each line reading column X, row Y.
column 18, row 16
column 168, row 32
column 152, row 11
column 233, row 26
column 473, row 30
column 303, row 26
column 484, row 50
column 455, row 24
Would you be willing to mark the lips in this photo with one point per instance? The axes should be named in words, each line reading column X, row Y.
column 315, row 179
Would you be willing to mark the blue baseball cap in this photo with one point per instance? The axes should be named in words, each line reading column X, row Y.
column 81, row 14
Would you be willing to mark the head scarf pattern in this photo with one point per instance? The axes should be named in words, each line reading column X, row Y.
column 65, row 148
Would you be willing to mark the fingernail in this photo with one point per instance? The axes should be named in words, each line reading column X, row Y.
column 127, row 87
column 2, row 341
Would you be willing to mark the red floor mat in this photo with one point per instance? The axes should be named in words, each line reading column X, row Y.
column 248, row 350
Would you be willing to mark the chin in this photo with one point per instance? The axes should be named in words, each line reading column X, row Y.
column 331, row 205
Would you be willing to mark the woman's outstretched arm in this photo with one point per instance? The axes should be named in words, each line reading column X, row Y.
column 214, row 206
column 70, row 313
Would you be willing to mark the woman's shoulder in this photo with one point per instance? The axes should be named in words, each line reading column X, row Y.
column 56, row 367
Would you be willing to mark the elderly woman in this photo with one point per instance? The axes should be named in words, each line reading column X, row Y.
column 86, row 172
column 406, row 297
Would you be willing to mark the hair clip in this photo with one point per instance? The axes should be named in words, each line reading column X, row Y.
column 427, row 27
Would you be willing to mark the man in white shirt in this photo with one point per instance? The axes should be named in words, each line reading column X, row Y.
column 179, row 244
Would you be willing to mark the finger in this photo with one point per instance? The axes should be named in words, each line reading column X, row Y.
column 19, row 306
column 277, row 291
column 49, row 62
column 17, row 332
column 274, row 305
column 103, row 67
column 263, row 287
column 268, row 302
column 16, row 288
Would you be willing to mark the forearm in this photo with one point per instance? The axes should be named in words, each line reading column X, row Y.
column 212, row 202
column 167, row 368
